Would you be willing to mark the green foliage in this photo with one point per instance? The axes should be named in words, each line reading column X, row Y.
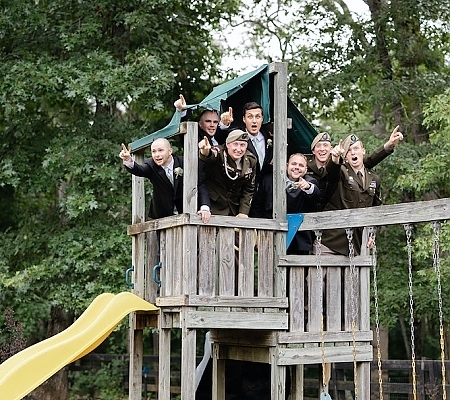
column 102, row 384
column 77, row 79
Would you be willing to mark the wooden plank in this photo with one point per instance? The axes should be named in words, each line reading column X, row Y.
column 242, row 338
column 297, row 299
column 265, row 264
column 329, row 337
column 226, row 257
column 246, row 271
column 188, row 359
column 152, row 258
column 325, row 260
column 189, row 260
column 235, row 301
column 216, row 220
column 206, row 260
column 237, row 320
column 190, row 180
column 218, row 375
column 289, row 356
column 168, row 264
column 252, row 354
column 278, row 376
column 164, row 365
column 414, row 212
column 315, row 299
column 333, row 304
column 177, row 260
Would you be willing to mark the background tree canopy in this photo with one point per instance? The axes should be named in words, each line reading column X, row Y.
column 80, row 77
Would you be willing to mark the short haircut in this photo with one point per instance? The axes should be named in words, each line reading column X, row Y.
column 297, row 154
column 163, row 140
column 205, row 111
column 252, row 105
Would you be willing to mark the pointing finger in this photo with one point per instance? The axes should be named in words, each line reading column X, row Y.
column 124, row 147
column 183, row 101
column 396, row 129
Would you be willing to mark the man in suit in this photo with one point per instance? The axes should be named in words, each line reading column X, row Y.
column 302, row 195
column 165, row 171
column 260, row 142
column 321, row 149
column 230, row 174
column 356, row 187
column 208, row 122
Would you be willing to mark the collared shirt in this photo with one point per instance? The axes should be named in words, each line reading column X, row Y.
column 259, row 143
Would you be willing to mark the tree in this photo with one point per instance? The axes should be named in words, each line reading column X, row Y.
column 77, row 79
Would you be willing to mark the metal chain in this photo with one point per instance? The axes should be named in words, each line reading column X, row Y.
column 351, row 255
column 437, row 270
column 408, row 230
column 319, row 275
column 372, row 235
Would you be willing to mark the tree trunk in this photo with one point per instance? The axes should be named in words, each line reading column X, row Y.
column 56, row 387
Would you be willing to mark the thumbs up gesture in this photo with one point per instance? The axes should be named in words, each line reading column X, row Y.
column 180, row 104
column 227, row 117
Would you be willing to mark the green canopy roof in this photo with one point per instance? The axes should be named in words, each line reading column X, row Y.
column 255, row 86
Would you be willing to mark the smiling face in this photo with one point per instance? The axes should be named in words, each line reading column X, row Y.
column 296, row 167
column 355, row 155
column 322, row 151
column 208, row 122
column 161, row 152
column 236, row 149
column 253, row 120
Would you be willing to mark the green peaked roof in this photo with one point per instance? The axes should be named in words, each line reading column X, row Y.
column 255, row 86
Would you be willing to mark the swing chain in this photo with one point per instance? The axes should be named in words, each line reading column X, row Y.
column 372, row 235
column 437, row 270
column 351, row 255
column 319, row 274
column 408, row 230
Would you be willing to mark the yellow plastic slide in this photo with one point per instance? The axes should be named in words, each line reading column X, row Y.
column 25, row 371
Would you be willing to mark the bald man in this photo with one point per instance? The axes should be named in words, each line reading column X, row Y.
column 165, row 171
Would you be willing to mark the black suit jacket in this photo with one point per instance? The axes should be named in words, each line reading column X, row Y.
column 166, row 198
column 267, row 167
column 297, row 202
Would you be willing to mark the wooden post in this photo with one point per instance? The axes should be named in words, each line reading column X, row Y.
column 137, row 255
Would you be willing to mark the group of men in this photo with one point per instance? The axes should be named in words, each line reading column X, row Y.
column 236, row 179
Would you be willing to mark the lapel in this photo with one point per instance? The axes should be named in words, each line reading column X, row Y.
column 177, row 181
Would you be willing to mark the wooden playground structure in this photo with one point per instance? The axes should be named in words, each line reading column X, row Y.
column 232, row 276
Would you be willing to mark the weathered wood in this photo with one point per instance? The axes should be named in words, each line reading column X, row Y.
column 313, row 355
column 222, row 301
column 329, row 337
column 216, row 220
column 226, row 258
column 297, row 299
column 278, row 376
column 246, row 272
column 265, row 264
column 177, row 259
column 189, row 260
column 190, row 178
column 333, row 302
column 252, row 354
column 238, row 320
column 188, row 358
column 164, row 365
column 265, row 338
column 206, row 260
column 218, row 375
column 325, row 260
column 415, row 212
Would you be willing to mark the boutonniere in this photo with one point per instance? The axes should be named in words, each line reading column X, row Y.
column 178, row 172
column 269, row 143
